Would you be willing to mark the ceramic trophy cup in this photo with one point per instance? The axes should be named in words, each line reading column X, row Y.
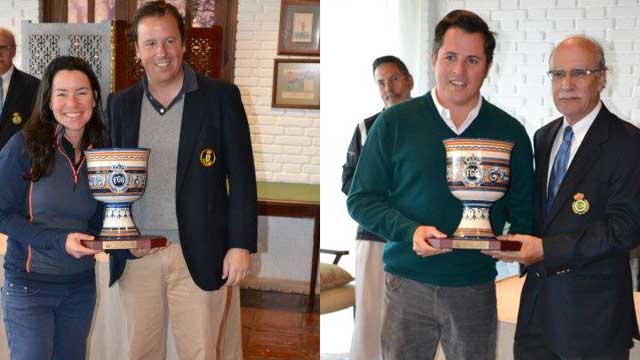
column 118, row 177
column 477, row 174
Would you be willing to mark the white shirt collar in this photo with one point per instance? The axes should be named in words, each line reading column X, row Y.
column 446, row 114
column 580, row 130
column 581, row 127
column 6, row 77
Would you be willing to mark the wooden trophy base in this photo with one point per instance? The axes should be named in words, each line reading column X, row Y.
column 474, row 244
column 136, row 242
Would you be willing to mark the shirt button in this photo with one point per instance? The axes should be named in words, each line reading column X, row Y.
column 161, row 111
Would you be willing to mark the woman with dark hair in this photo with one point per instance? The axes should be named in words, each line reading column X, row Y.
column 46, row 209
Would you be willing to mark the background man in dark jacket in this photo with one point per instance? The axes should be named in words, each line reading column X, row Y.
column 17, row 90
column 394, row 83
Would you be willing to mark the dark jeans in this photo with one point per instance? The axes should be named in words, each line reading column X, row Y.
column 47, row 322
column 419, row 316
column 531, row 346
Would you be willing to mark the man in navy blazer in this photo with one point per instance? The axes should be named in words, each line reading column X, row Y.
column 201, row 194
column 18, row 90
column 577, row 300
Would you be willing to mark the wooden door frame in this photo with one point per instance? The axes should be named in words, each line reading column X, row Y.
column 228, row 18
column 54, row 11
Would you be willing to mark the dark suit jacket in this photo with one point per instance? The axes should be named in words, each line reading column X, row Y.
column 210, row 219
column 349, row 168
column 20, row 99
column 582, row 289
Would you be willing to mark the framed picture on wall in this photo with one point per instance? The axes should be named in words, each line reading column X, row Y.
column 296, row 84
column 299, row 27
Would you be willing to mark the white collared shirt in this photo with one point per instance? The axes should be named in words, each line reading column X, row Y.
column 446, row 114
column 580, row 129
column 6, row 77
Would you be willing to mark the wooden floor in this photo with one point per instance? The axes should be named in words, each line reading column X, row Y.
column 277, row 334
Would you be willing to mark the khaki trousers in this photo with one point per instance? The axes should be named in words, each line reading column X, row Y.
column 365, row 343
column 157, row 289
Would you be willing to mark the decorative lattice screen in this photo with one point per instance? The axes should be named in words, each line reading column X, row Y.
column 41, row 43
column 107, row 48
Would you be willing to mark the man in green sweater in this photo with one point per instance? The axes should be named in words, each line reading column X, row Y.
column 400, row 193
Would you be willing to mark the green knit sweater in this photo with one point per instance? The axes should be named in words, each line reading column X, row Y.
column 400, row 183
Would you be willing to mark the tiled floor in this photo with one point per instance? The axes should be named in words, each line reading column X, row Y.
column 280, row 335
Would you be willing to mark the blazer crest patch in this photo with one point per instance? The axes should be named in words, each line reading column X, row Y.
column 16, row 119
column 207, row 157
column 580, row 205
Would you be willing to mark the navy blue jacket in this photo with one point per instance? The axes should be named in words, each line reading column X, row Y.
column 582, row 288
column 38, row 216
column 211, row 219
column 18, row 104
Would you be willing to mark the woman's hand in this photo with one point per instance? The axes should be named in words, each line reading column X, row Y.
column 74, row 247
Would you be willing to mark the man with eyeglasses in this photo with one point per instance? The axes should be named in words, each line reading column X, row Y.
column 394, row 84
column 17, row 90
column 577, row 300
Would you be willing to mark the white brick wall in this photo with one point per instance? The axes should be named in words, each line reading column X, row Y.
column 277, row 134
column 527, row 31
column 11, row 16
column 286, row 142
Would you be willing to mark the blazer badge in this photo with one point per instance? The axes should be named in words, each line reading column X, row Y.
column 16, row 119
column 580, row 205
column 207, row 157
